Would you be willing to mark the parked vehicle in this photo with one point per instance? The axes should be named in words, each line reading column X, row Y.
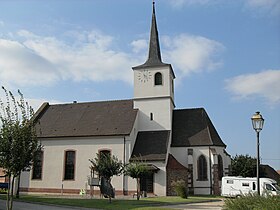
column 233, row 186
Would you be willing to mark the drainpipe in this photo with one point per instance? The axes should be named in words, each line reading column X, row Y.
column 210, row 171
column 124, row 162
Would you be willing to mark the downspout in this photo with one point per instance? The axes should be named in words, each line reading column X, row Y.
column 124, row 162
column 210, row 171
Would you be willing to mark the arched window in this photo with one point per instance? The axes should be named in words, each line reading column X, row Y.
column 201, row 168
column 38, row 165
column 104, row 152
column 158, row 78
column 220, row 167
column 69, row 165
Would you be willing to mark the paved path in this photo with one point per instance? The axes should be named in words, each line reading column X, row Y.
column 30, row 206
column 214, row 205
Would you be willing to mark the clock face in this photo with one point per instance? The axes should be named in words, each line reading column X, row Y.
column 144, row 76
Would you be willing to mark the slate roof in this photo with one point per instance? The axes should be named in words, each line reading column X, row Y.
column 105, row 118
column 151, row 145
column 154, row 57
column 192, row 127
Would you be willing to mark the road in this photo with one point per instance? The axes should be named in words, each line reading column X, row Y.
column 215, row 205
column 30, row 206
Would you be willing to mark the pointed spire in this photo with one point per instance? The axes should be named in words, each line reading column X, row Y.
column 154, row 57
column 154, row 48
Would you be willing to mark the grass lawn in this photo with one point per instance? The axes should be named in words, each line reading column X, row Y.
column 117, row 204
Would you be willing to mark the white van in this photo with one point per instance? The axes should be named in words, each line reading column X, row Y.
column 233, row 186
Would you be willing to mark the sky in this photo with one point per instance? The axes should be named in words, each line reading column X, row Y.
column 225, row 55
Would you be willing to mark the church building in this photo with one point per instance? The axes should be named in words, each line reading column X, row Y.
column 177, row 144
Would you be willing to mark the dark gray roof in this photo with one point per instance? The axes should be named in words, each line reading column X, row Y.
column 154, row 57
column 103, row 118
column 192, row 127
column 151, row 145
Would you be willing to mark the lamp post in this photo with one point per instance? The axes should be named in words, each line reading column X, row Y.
column 257, row 122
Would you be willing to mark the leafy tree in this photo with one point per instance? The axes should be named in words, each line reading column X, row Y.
column 18, row 142
column 245, row 165
column 136, row 170
column 106, row 166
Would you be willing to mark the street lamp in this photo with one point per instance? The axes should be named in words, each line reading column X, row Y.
column 257, row 122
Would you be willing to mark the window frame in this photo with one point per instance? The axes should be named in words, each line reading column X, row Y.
column 158, row 79
column 220, row 167
column 64, row 165
column 202, row 169
column 103, row 150
column 41, row 167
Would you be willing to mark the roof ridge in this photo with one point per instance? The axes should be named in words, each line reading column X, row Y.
column 89, row 102
column 195, row 108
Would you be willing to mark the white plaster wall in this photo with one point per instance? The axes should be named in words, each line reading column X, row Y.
column 148, row 89
column 86, row 148
column 162, row 114
column 181, row 154
column 159, row 180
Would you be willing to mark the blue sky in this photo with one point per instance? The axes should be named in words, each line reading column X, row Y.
column 225, row 54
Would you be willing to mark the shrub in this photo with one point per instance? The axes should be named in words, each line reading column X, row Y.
column 3, row 191
column 253, row 202
column 180, row 188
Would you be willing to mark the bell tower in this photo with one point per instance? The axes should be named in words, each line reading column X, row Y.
column 154, row 87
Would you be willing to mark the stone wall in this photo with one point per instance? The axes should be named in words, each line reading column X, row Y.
column 175, row 172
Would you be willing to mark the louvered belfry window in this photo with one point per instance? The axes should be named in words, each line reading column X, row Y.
column 158, row 78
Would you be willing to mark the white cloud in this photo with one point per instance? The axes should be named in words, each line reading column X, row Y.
column 264, row 84
column 192, row 54
column 139, row 45
column 271, row 7
column 39, row 60
column 20, row 65
column 180, row 3
column 264, row 6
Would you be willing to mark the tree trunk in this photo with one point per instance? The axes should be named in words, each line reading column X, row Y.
column 138, row 189
column 17, row 195
column 8, row 194
column 12, row 194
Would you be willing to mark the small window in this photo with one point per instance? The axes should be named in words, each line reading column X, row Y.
column 158, row 79
column 269, row 187
column 69, row 165
column 254, row 185
column 38, row 165
column 230, row 181
column 151, row 116
column 245, row 184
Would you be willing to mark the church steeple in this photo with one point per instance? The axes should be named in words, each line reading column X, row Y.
column 154, row 57
column 154, row 48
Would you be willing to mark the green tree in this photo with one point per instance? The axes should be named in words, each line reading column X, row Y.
column 18, row 142
column 245, row 165
column 106, row 166
column 136, row 170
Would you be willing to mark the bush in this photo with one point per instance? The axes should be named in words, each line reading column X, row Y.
column 253, row 202
column 3, row 191
column 180, row 188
